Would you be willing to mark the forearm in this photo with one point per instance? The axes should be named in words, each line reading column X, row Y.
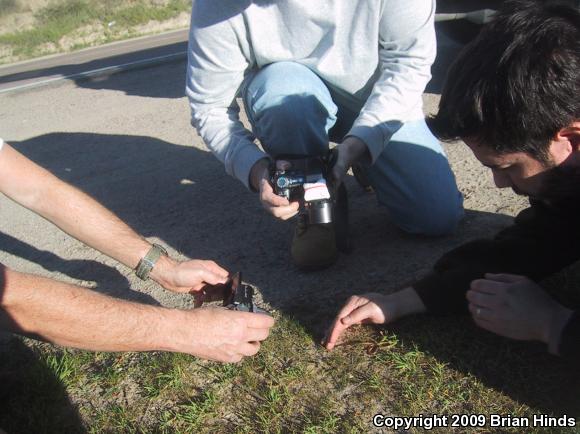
column 407, row 302
column 77, row 317
column 88, row 221
column 444, row 292
column 69, row 208
column 539, row 244
column 215, row 73
column 407, row 49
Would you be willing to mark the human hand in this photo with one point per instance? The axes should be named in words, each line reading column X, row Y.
column 359, row 309
column 276, row 205
column 216, row 333
column 187, row 276
column 512, row 306
column 351, row 150
column 373, row 308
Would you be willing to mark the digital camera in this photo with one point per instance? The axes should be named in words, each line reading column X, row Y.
column 306, row 181
column 239, row 296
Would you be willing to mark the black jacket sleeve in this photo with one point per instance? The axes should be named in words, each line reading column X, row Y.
column 570, row 338
column 541, row 242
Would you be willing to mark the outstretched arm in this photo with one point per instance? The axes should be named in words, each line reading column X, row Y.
column 77, row 317
column 507, row 303
column 88, row 221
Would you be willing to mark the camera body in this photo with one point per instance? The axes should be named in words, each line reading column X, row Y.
column 306, row 182
column 239, row 296
column 289, row 183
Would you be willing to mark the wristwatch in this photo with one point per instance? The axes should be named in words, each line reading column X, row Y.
column 148, row 261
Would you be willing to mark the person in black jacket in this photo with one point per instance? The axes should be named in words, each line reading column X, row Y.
column 513, row 96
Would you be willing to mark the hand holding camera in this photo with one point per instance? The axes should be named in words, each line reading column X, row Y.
column 234, row 295
column 304, row 180
column 304, row 185
column 278, row 206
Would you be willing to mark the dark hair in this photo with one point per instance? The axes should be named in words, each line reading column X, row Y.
column 518, row 82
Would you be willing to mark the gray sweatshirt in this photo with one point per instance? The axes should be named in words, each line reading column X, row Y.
column 378, row 53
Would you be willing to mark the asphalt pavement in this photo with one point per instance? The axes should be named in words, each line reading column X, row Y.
column 125, row 138
column 105, row 59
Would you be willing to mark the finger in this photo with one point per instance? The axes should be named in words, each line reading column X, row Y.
column 285, row 212
column 234, row 358
column 507, row 278
column 272, row 199
column 483, row 299
column 359, row 315
column 481, row 313
column 256, row 320
column 334, row 333
column 289, row 214
column 351, row 304
column 208, row 276
column 217, row 269
column 248, row 348
column 337, row 326
column 490, row 326
column 257, row 334
column 488, row 286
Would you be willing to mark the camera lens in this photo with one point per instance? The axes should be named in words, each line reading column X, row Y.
column 319, row 211
column 282, row 182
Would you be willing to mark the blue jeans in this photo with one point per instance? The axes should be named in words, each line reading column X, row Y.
column 292, row 111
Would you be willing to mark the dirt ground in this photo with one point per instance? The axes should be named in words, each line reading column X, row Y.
column 127, row 141
column 21, row 15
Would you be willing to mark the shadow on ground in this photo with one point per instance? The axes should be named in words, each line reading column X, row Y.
column 521, row 370
column 106, row 278
column 182, row 195
column 169, row 81
column 25, row 405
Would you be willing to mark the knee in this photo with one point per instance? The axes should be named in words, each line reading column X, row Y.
column 293, row 111
column 282, row 78
column 289, row 91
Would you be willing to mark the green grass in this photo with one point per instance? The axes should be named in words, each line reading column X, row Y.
column 422, row 365
column 113, row 21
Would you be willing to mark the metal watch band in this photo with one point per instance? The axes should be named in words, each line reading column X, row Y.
column 148, row 261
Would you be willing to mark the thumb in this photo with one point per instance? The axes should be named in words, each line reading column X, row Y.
column 212, row 278
column 347, row 320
